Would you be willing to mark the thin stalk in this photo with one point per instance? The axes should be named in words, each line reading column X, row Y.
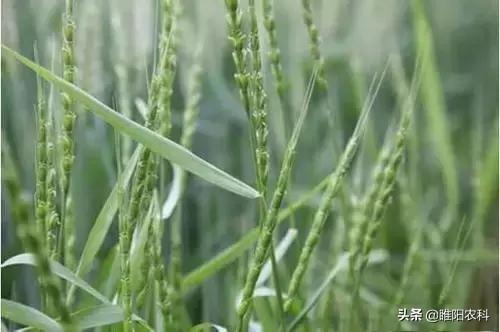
column 122, row 76
column 385, row 188
column 269, row 223
column 243, row 77
column 145, row 174
column 314, row 42
column 259, row 118
column 276, row 62
column 330, row 192
column 67, row 229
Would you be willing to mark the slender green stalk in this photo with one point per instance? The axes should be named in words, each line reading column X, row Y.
column 331, row 191
column 145, row 175
column 192, row 110
column 243, row 77
column 233, row 252
column 190, row 120
column 53, row 221
column 259, row 119
column 360, row 218
column 275, row 56
column 129, row 221
column 237, row 38
column 68, row 55
column 66, row 137
column 384, row 190
column 46, row 218
column 41, row 170
column 159, row 268
column 167, row 66
column 314, row 42
column 412, row 256
column 277, row 70
column 269, row 223
column 122, row 76
column 147, row 267
column 259, row 103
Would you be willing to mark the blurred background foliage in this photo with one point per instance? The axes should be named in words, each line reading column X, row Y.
column 357, row 39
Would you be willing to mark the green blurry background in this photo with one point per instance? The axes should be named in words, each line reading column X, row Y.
column 441, row 191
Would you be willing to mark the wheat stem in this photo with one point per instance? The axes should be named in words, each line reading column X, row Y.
column 331, row 191
column 269, row 223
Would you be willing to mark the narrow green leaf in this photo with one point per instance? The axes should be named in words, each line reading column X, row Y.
column 376, row 256
column 230, row 254
column 174, row 195
column 29, row 316
column 224, row 258
column 104, row 314
column 58, row 269
column 105, row 218
column 153, row 141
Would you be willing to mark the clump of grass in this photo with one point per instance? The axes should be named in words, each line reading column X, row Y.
column 137, row 285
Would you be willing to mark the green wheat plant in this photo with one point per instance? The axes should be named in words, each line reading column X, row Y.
column 248, row 165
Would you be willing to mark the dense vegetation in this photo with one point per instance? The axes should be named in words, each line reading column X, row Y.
column 255, row 165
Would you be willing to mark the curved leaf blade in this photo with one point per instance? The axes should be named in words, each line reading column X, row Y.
column 102, row 315
column 207, row 327
column 29, row 316
column 105, row 218
column 58, row 269
column 162, row 146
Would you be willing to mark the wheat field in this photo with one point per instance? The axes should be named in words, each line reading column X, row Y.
column 249, row 165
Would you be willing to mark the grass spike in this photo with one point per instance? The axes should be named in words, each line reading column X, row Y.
column 269, row 224
column 329, row 193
